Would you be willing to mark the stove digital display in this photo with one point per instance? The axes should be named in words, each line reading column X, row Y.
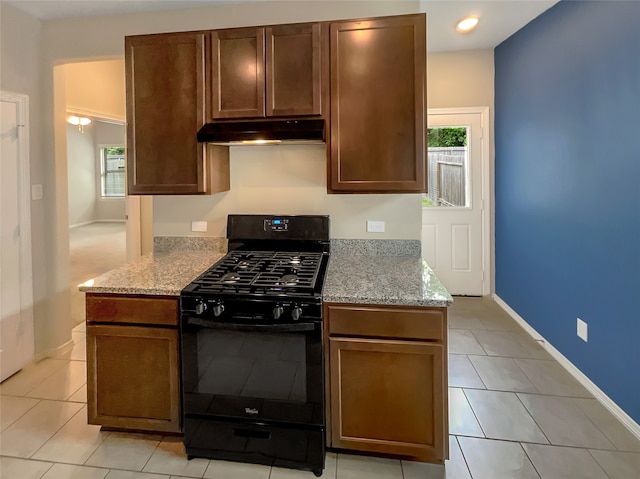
column 276, row 224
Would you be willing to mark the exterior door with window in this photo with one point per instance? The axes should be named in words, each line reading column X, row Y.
column 453, row 241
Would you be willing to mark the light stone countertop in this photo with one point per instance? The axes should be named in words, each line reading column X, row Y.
column 382, row 279
column 161, row 273
column 353, row 278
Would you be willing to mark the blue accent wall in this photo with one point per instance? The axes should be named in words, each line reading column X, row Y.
column 567, row 186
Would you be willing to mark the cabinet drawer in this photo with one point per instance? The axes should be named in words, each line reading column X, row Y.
column 132, row 309
column 377, row 321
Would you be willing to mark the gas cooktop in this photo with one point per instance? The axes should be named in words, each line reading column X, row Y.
column 262, row 273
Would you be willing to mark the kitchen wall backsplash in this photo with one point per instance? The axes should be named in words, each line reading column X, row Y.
column 289, row 180
column 163, row 244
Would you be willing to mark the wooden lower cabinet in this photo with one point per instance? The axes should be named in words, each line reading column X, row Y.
column 387, row 394
column 133, row 377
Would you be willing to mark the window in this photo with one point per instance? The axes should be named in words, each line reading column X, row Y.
column 112, row 171
column 447, row 162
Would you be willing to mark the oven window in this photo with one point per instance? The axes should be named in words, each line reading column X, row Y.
column 256, row 365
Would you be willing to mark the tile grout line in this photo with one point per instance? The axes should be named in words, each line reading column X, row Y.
column 533, row 418
column 455, row 438
column 477, row 372
column 474, row 413
column 524, row 450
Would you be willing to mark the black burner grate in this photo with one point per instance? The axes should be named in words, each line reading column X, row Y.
column 262, row 272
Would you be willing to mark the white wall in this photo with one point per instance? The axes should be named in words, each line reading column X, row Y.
column 86, row 203
column 82, row 168
column 287, row 180
column 22, row 71
column 97, row 88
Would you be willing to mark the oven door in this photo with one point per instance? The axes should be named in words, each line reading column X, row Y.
column 265, row 373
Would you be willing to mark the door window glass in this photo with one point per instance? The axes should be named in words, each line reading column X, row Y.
column 448, row 167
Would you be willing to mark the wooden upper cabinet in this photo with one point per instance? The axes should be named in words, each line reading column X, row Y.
column 293, row 61
column 378, row 105
column 165, row 109
column 237, row 73
column 265, row 71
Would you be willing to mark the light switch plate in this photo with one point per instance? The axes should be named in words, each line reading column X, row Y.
column 375, row 226
column 36, row 192
column 199, row 226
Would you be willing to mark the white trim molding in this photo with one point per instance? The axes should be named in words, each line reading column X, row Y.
column 96, row 115
column 605, row 400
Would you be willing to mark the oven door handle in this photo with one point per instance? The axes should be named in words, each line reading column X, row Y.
column 257, row 328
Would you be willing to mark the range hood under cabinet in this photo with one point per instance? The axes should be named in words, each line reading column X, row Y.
column 263, row 132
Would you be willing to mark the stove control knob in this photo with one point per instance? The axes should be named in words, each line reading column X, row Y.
column 277, row 311
column 218, row 309
column 201, row 307
column 296, row 312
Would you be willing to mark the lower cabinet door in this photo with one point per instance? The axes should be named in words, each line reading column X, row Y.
column 387, row 397
column 133, row 378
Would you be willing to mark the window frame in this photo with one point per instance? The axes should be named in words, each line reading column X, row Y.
column 103, row 173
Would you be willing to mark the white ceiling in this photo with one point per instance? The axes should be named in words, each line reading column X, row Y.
column 499, row 19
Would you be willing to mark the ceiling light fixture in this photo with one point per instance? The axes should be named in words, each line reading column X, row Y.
column 467, row 24
column 79, row 121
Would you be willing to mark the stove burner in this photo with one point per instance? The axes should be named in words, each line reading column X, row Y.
column 263, row 272
column 230, row 278
column 289, row 280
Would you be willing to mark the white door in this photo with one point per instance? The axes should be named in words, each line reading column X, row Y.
column 16, row 319
column 454, row 233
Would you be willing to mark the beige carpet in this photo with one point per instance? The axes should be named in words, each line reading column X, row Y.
column 94, row 249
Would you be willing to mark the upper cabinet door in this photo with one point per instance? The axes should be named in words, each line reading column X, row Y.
column 165, row 109
column 378, row 105
column 237, row 73
column 293, row 75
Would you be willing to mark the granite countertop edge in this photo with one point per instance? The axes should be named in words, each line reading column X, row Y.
column 386, row 301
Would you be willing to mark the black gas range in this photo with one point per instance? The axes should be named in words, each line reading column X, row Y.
column 251, row 345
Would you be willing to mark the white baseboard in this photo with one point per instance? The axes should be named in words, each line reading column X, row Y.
column 53, row 352
column 84, row 223
column 605, row 400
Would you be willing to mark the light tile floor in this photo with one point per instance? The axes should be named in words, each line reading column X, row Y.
column 515, row 413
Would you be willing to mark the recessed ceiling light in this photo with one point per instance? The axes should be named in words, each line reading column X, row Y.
column 467, row 24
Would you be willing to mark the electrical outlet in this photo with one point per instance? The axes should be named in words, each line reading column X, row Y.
column 583, row 330
column 199, row 226
column 375, row 226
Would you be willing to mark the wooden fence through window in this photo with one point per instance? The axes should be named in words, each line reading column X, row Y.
column 447, row 176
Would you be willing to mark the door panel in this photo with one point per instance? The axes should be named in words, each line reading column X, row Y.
column 460, row 245
column 452, row 236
